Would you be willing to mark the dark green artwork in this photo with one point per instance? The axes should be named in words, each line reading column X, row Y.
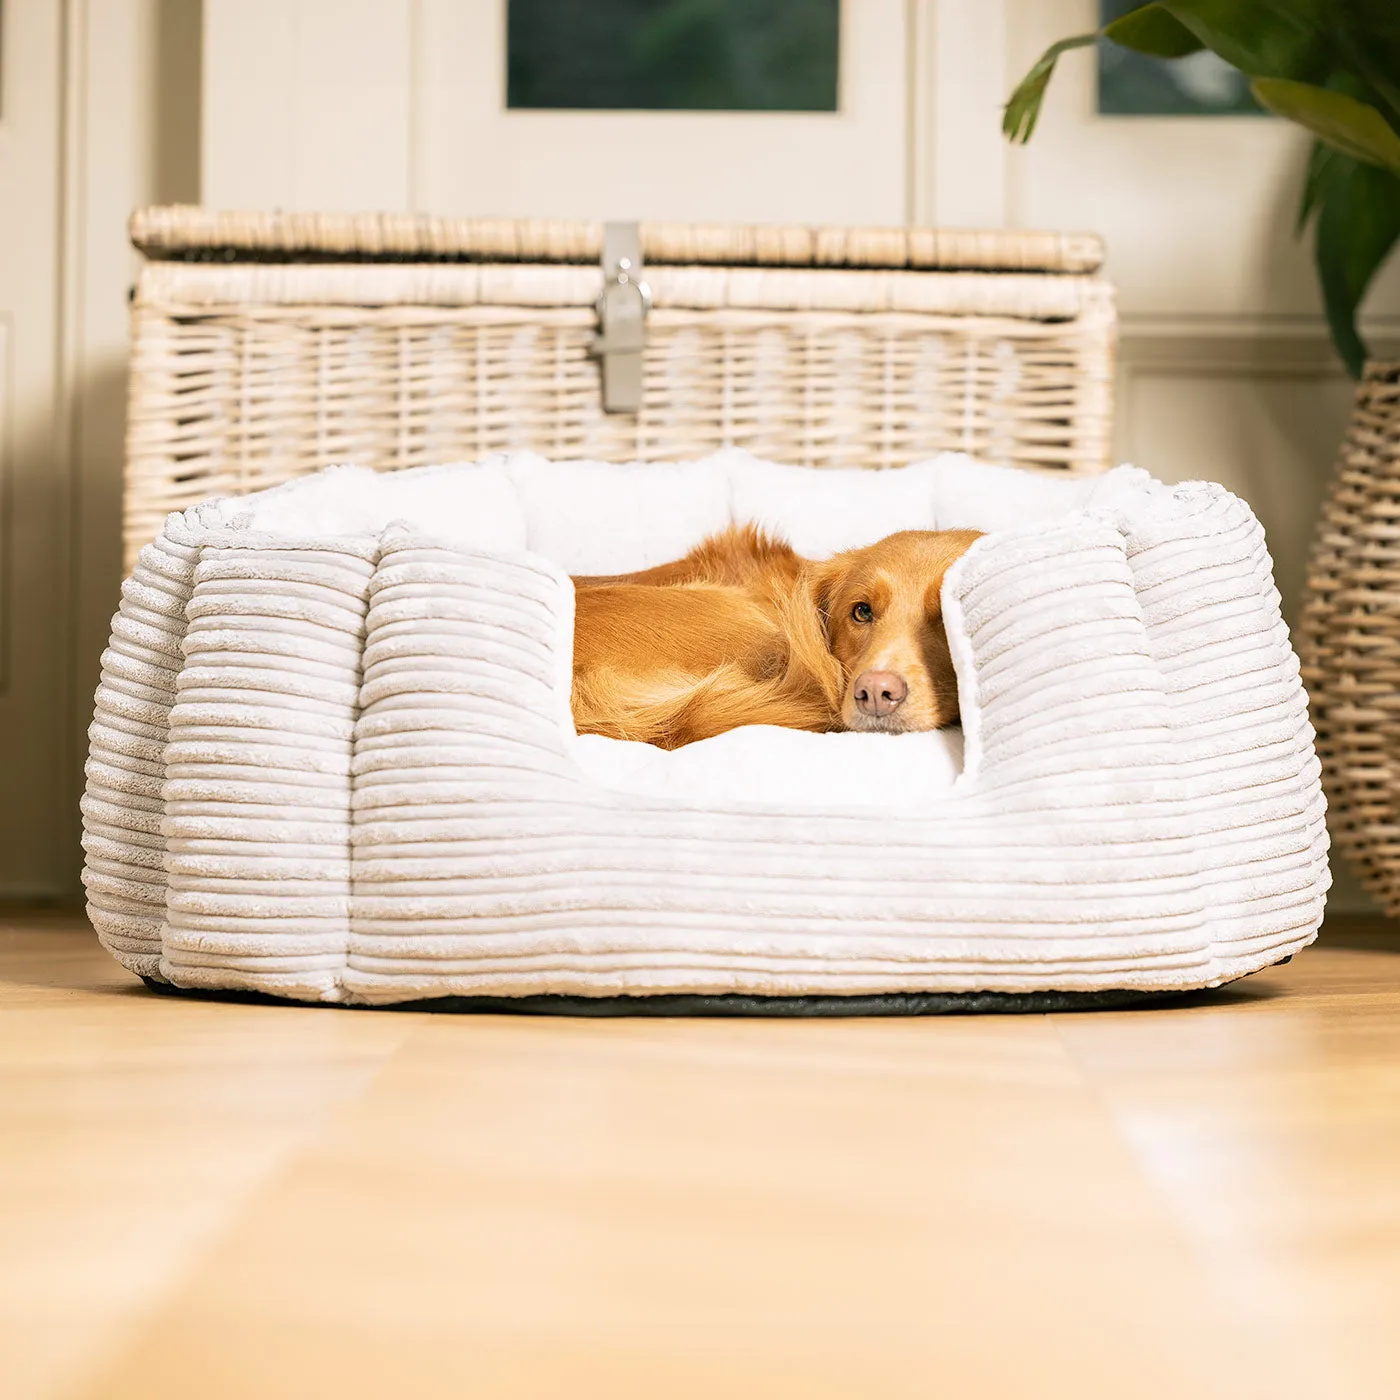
column 1132, row 84
column 678, row 55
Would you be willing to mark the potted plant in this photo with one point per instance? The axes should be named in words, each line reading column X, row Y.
column 1333, row 67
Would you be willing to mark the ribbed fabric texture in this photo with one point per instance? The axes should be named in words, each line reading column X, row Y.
column 342, row 770
column 123, row 805
column 257, row 790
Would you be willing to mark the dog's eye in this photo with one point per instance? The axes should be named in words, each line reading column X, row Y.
column 863, row 612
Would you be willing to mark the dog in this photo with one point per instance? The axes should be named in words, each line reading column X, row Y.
column 743, row 630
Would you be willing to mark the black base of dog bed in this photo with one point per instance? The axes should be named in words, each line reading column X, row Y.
column 739, row 1004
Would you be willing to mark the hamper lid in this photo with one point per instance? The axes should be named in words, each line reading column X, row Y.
column 188, row 233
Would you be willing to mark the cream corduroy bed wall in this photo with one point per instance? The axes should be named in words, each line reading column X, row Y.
column 267, row 346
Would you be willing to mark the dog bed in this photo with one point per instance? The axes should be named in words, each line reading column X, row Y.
column 333, row 760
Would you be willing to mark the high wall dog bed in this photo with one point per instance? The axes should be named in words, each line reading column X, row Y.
column 333, row 759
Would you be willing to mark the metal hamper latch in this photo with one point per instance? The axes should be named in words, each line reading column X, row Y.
column 622, row 312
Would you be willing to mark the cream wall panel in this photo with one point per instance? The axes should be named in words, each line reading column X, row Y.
column 136, row 72
column 34, row 613
column 100, row 113
column 249, row 102
column 307, row 104
column 958, row 178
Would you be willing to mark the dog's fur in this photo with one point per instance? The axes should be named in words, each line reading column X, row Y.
column 743, row 630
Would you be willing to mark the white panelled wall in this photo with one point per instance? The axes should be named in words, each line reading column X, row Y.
column 99, row 111
column 399, row 104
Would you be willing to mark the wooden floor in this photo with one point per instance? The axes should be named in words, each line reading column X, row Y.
column 205, row 1200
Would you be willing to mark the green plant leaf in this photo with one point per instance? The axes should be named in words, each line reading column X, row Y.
column 1358, row 225
column 1153, row 30
column 1368, row 41
column 1023, row 107
column 1263, row 38
column 1321, row 168
column 1354, row 128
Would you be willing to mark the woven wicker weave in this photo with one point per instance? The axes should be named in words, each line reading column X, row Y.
column 269, row 346
column 183, row 231
column 1349, row 640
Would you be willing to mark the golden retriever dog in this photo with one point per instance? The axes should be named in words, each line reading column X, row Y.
column 743, row 630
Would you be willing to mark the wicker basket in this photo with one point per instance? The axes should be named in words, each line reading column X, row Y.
column 1349, row 640
column 266, row 346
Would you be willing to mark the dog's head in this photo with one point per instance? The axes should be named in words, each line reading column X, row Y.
column 882, row 609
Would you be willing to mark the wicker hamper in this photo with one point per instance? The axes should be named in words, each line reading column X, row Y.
column 267, row 346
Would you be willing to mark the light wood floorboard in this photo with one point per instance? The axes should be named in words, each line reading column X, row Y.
column 219, row 1200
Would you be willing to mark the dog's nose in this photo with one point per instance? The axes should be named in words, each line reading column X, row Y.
column 879, row 692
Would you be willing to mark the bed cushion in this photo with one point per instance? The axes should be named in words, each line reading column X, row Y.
column 783, row 767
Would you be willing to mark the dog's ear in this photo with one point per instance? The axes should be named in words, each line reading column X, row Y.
column 819, row 584
column 806, row 614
